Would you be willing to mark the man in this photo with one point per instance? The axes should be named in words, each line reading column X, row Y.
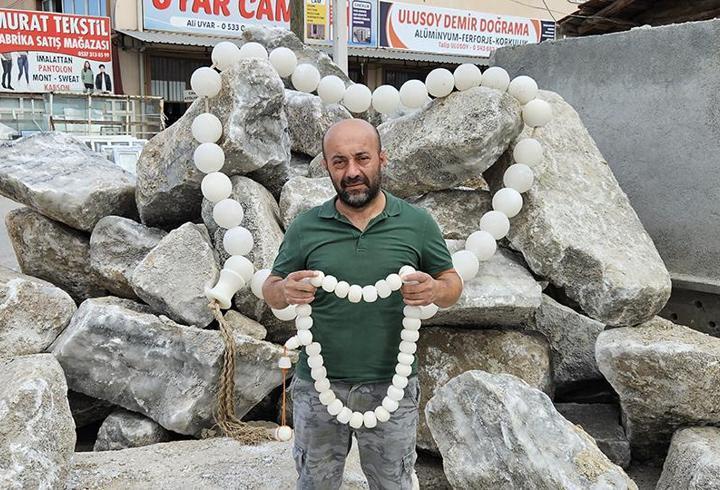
column 362, row 235
column 102, row 80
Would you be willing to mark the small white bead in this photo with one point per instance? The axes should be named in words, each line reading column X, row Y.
column 406, row 359
column 395, row 393
column 292, row 343
column 428, row 311
column 369, row 294
column 400, row 381
column 322, row 385
column 313, row 349
column 411, row 323
column 284, row 363
column 318, row 373
column 327, row 397
column 390, row 405
column 334, row 407
column 315, row 361
column 283, row 433
column 383, row 288
column 409, row 335
column 355, row 294
column 413, row 312
column 381, row 414
column 317, row 280
column 394, row 281
column 403, row 370
column 408, row 347
column 356, row 420
column 406, row 269
column 344, row 416
column 369, row 419
column 303, row 322
column 305, row 337
column 303, row 310
column 342, row 289
column 329, row 283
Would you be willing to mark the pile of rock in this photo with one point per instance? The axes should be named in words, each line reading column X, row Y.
column 114, row 270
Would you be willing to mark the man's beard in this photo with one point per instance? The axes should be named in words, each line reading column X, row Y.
column 358, row 199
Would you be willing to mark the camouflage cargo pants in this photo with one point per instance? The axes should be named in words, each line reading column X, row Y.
column 387, row 451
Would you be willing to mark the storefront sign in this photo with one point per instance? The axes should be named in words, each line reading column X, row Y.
column 452, row 31
column 362, row 22
column 49, row 52
column 214, row 17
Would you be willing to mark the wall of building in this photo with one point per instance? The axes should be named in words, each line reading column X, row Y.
column 19, row 4
column 649, row 98
column 125, row 14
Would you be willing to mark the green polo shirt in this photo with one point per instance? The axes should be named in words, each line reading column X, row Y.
column 360, row 341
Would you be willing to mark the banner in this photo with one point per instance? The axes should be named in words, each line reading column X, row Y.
column 49, row 52
column 214, row 17
column 362, row 22
column 452, row 31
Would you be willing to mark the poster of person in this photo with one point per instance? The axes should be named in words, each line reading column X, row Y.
column 50, row 52
column 362, row 22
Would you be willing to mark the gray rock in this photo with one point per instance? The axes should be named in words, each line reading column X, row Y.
column 219, row 463
column 308, row 119
column 274, row 177
column 578, row 230
column 33, row 313
column 430, row 472
column 572, row 338
column 602, row 422
column 301, row 193
column 456, row 211
column 60, row 177
column 117, row 350
column 503, row 293
column 52, row 251
column 666, row 376
column 449, row 352
column 117, row 245
column 172, row 278
column 456, row 138
column 37, row 434
column 693, row 462
column 87, row 410
column 255, row 133
column 316, row 168
column 243, row 325
column 123, row 429
column 494, row 431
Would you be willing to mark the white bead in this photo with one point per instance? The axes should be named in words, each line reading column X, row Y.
column 313, row 349
column 253, row 50
column 356, row 420
column 355, row 293
column 216, row 186
column 400, row 381
column 209, row 157
column 285, row 314
column 284, row 363
column 327, row 397
column 519, row 177
column 206, row 128
column 528, row 151
column 369, row 419
column 495, row 223
column 344, row 416
column 428, row 311
column 466, row 264
column 335, row 407
column 408, row 347
column 238, row 240
column 242, row 266
column 318, row 373
column 305, row 78
column 322, row 385
column 536, row 113
column 412, row 311
column 329, row 283
column 412, row 323
column 406, row 269
column 258, row 280
column 228, row 213
column 440, row 82
column 317, row 279
column 357, row 98
column 315, row 361
column 395, row 393
column 386, row 99
column 342, row 289
column 390, row 405
column 405, row 359
column 292, row 343
column 369, row 294
column 482, row 244
column 305, row 337
column 303, row 310
column 225, row 54
column 283, row 60
column 394, row 281
column 205, row 82
column 523, row 88
column 409, row 335
column 283, row 433
column 403, row 370
column 303, row 322
column 508, row 201
column 467, row 76
column 496, row 77
column 383, row 289
column 331, row 89
column 381, row 414
column 413, row 94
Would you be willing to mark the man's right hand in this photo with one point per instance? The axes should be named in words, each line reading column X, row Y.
column 297, row 288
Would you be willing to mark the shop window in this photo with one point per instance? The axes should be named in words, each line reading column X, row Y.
column 79, row 7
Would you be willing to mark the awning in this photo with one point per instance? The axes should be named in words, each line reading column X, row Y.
column 176, row 38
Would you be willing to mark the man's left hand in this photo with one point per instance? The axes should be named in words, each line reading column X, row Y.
column 421, row 291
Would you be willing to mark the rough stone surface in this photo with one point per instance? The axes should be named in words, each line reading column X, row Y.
column 693, row 462
column 255, row 133
column 666, row 376
column 456, row 211
column 33, row 312
column 301, row 193
column 60, row 177
column 117, row 246
column 602, row 422
column 578, row 230
column 37, row 434
column 503, row 293
column 117, row 350
column 215, row 464
column 308, row 119
column 172, row 278
column 316, row 168
column 449, row 352
column 273, row 177
column 123, row 429
column 52, row 251
column 243, row 325
column 87, row 410
column 572, row 338
column 456, row 138
column 495, row 431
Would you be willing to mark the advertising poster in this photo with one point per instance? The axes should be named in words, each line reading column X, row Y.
column 214, row 18
column 49, row 52
column 453, row 31
column 362, row 22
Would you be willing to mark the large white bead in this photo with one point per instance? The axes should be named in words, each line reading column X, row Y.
column 329, row 283
column 284, row 363
column 238, row 241
column 344, row 416
column 523, row 88
column 466, row 264
column 205, row 82
column 357, row 98
column 395, row 393
column 528, row 151
column 206, row 128
column 292, row 343
column 241, row 266
column 356, row 420
column 313, row 349
column 403, row 370
column 389, row 404
column 318, row 373
column 406, row 359
column 258, row 280
column 409, row 335
column 381, row 414
column 428, row 311
column 412, row 311
column 342, row 289
column 303, row 322
column 305, row 78
column 335, row 407
column 413, row 94
column 355, row 293
column 283, row 433
column 412, row 323
column 303, row 310
column 386, row 99
column 495, row 223
column 440, row 82
column 519, row 177
column 369, row 294
column 285, row 314
column 383, row 289
column 536, row 113
column 405, row 346
column 331, row 89
column 315, row 361
column 394, row 281
column 253, row 50
column 406, row 269
column 317, row 279
column 216, row 186
column 228, row 213
column 209, row 157
column 322, row 385
column 327, row 397
column 496, row 77
column 508, row 201
column 283, row 60
column 482, row 244
column 400, row 381
column 467, row 76
column 225, row 54
column 369, row 419
column 305, row 337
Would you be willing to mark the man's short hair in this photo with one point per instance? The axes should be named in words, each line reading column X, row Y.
column 101, row 66
column 377, row 135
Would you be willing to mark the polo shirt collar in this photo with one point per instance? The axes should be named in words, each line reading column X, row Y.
column 392, row 207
